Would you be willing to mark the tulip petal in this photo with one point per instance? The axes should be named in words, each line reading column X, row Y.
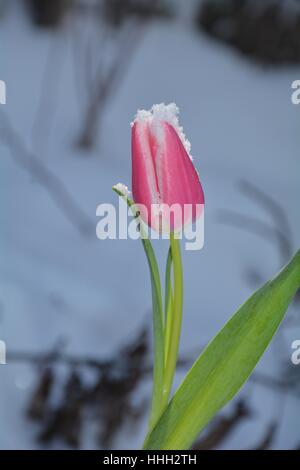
column 164, row 180
column 177, row 178
column 144, row 182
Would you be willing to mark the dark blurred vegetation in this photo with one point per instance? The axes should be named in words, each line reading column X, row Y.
column 108, row 403
column 49, row 13
column 116, row 11
column 265, row 30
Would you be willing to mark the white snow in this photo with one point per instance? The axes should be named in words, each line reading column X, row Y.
column 122, row 188
column 163, row 113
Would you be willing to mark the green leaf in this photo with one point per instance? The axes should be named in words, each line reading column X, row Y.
column 226, row 363
column 158, row 316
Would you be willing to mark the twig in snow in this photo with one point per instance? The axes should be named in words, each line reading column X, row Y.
column 48, row 94
column 105, row 84
column 49, row 180
column 279, row 232
column 223, row 427
column 59, row 356
column 268, row 437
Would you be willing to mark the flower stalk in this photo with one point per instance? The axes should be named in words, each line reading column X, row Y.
column 174, row 318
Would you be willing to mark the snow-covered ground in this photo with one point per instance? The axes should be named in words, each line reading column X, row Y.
column 55, row 282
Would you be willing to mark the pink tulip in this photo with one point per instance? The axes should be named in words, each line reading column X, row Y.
column 163, row 174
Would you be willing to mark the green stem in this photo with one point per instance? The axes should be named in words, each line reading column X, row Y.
column 158, row 337
column 176, row 320
column 169, row 302
column 158, row 317
column 168, row 283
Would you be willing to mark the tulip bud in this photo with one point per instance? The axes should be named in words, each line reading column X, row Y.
column 165, row 183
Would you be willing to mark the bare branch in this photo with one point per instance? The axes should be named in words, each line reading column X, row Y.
column 58, row 356
column 106, row 84
column 270, row 204
column 50, row 181
column 268, row 437
column 223, row 426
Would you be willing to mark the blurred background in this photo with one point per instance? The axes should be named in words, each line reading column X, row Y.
column 75, row 312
